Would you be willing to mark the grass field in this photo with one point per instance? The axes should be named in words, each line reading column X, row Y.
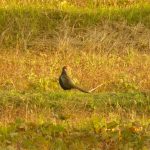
column 103, row 42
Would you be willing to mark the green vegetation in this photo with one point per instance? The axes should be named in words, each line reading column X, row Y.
column 72, row 120
column 23, row 24
column 105, row 43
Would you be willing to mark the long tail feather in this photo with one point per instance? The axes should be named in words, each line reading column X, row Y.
column 80, row 89
column 95, row 88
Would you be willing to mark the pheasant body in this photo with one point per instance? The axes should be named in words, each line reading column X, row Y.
column 66, row 83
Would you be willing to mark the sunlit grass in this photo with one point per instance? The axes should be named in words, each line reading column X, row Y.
column 37, row 113
column 40, row 71
column 104, row 43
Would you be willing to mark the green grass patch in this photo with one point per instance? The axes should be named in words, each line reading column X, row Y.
column 79, row 120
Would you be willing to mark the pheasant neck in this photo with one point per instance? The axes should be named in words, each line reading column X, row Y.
column 64, row 72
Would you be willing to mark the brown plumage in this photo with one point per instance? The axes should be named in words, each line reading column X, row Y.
column 66, row 83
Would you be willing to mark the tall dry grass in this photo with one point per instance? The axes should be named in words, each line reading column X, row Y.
column 101, row 47
column 40, row 25
column 40, row 70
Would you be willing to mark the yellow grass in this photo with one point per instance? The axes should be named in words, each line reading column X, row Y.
column 24, row 71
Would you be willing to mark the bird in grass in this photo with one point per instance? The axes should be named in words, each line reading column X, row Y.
column 67, row 84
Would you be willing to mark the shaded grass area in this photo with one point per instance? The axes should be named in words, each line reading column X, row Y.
column 45, row 120
column 79, row 16
column 20, row 24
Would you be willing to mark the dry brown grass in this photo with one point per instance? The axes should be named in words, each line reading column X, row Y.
column 41, row 70
column 113, row 54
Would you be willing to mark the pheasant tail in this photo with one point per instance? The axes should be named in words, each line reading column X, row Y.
column 80, row 89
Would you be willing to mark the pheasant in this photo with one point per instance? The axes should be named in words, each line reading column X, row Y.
column 66, row 83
